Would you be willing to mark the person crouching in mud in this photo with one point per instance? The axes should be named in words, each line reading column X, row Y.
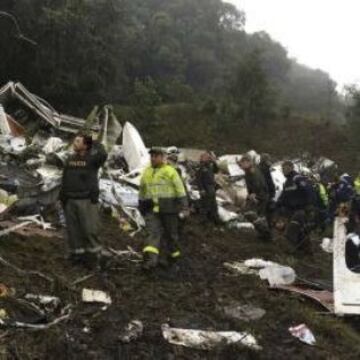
column 79, row 196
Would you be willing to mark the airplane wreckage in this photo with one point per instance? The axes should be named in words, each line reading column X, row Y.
column 34, row 136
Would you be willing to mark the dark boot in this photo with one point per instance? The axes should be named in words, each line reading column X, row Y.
column 105, row 258
column 150, row 261
column 90, row 260
column 76, row 259
column 263, row 230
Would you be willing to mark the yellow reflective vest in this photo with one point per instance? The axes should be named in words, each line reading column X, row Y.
column 323, row 195
column 357, row 185
column 162, row 190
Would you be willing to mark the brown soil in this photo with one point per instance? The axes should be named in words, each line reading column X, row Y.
column 191, row 297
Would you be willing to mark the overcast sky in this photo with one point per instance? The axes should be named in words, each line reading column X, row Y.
column 323, row 34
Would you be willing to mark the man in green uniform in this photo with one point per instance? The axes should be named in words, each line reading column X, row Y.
column 258, row 196
column 79, row 195
column 162, row 201
column 205, row 180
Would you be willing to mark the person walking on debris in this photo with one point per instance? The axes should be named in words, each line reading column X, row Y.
column 296, row 204
column 79, row 196
column 258, row 196
column 162, row 201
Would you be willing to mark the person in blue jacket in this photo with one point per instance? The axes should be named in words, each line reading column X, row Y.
column 296, row 203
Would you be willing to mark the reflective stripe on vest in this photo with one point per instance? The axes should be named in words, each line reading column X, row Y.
column 357, row 185
column 176, row 254
column 161, row 183
column 151, row 249
column 323, row 194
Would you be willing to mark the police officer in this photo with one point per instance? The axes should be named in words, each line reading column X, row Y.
column 258, row 196
column 79, row 195
column 265, row 168
column 296, row 202
column 341, row 191
column 162, row 201
column 205, row 179
column 322, row 202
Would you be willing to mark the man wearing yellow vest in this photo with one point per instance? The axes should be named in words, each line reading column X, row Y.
column 162, row 201
column 357, row 184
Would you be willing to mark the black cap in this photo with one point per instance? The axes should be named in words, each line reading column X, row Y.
column 156, row 151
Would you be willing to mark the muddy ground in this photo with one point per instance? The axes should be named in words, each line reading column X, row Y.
column 192, row 297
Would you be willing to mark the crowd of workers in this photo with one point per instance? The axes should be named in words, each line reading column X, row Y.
column 306, row 203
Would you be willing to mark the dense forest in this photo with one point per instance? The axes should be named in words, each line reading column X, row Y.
column 169, row 62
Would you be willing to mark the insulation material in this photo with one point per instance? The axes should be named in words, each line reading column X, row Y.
column 135, row 152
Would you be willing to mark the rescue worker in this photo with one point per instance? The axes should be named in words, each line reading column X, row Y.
column 354, row 215
column 79, row 196
column 258, row 196
column 205, row 179
column 341, row 191
column 296, row 203
column 172, row 154
column 321, row 204
column 357, row 184
column 162, row 200
column 265, row 168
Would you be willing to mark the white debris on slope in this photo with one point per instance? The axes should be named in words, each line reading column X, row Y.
column 274, row 273
column 207, row 340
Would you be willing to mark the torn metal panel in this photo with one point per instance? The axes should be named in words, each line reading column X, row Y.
column 323, row 297
column 41, row 108
column 15, row 128
column 111, row 129
column 17, row 180
column 111, row 192
column 4, row 125
column 135, row 152
column 346, row 280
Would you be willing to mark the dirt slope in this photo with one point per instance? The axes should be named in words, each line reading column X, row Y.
column 193, row 297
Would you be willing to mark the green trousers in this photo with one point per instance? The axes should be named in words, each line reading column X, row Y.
column 163, row 235
column 82, row 220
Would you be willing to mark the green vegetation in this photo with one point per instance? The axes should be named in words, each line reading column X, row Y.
column 185, row 72
column 146, row 53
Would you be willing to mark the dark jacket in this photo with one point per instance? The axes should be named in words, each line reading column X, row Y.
column 256, row 184
column 298, row 192
column 266, row 171
column 205, row 178
column 80, row 176
column 343, row 191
